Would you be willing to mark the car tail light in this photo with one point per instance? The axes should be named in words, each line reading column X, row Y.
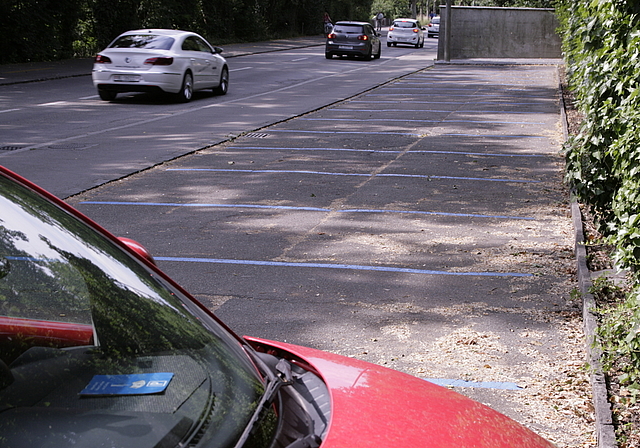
column 159, row 61
column 390, row 28
column 331, row 36
column 363, row 37
column 101, row 59
column 416, row 30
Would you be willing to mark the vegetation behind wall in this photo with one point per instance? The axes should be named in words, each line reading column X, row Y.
column 41, row 30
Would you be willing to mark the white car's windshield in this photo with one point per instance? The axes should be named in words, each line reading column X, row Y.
column 348, row 29
column 405, row 25
column 146, row 41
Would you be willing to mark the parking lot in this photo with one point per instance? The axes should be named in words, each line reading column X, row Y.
column 421, row 225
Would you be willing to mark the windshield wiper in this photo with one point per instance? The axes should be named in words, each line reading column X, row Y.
column 273, row 384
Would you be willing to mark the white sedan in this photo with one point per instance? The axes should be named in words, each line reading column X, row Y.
column 434, row 27
column 405, row 31
column 157, row 60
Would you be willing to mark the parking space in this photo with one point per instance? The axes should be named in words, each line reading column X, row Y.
column 419, row 225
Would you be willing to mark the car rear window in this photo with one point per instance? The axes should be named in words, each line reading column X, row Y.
column 348, row 29
column 405, row 25
column 146, row 41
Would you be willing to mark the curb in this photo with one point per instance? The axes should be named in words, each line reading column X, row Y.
column 605, row 430
column 501, row 61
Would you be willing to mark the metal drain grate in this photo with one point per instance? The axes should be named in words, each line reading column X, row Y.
column 257, row 135
column 10, row 148
column 68, row 146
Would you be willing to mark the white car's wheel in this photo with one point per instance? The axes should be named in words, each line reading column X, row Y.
column 223, row 87
column 107, row 95
column 186, row 92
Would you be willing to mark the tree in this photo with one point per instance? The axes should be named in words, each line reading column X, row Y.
column 35, row 30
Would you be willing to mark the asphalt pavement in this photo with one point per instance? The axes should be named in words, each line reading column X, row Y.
column 466, row 158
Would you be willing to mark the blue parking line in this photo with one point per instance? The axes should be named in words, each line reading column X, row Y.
column 434, row 111
column 494, row 135
column 402, row 120
column 369, row 119
column 488, row 88
column 472, row 93
column 480, row 384
column 228, row 170
column 312, row 209
column 439, row 89
column 351, row 267
column 413, row 212
column 447, row 81
column 462, row 103
column 281, row 148
column 389, row 151
column 487, row 154
column 176, row 204
column 326, row 173
column 485, row 94
column 298, row 131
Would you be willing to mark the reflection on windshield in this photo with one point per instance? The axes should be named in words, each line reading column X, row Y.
column 146, row 41
column 348, row 29
column 60, row 281
column 405, row 25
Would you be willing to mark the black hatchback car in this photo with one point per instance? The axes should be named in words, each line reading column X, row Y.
column 353, row 39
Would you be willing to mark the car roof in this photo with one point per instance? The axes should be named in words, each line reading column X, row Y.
column 160, row 31
column 347, row 22
column 405, row 20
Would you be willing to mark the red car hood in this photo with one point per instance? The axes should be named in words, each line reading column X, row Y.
column 372, row 406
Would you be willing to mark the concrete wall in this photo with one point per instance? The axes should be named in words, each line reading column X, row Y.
column 486, row 32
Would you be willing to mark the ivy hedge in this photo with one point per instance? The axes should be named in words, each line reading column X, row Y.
column 601, row 43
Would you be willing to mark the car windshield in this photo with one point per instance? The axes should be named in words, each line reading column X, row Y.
column 146, row 41
column 405, row 24
column 95, row 347
column 348, row 29
column 435, row 20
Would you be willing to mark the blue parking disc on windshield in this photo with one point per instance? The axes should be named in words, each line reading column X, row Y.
column 134, row 384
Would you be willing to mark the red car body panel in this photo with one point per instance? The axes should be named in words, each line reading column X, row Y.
column 138, row 248
column 373, row 406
